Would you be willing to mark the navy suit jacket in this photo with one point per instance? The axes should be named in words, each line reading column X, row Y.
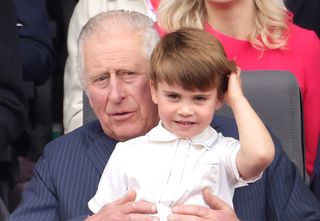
column 315, row 179
column 68, row 173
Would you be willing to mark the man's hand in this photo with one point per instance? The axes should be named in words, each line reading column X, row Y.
column 126, row 208
column 220, row 211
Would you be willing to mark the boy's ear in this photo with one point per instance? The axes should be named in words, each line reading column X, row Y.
column 154, row 92
column 219, row 104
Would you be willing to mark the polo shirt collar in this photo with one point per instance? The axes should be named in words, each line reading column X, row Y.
column 206, row 138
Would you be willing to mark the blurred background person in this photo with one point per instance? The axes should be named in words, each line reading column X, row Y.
column 35, row 48
column 13, row 93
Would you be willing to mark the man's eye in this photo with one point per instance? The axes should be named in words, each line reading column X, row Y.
column 101, row 80
column 128, row 76
column 130, row 73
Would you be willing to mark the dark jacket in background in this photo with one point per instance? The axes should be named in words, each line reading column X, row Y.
column 35, row 40
column 306, row 13
column 13, row 98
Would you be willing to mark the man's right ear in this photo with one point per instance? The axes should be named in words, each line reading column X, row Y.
column 154, row 92
column 88, row 96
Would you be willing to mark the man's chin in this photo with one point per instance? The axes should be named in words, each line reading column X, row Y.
column 126, row 132
column 125, row 137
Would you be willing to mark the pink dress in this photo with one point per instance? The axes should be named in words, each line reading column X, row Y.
column 302, row 58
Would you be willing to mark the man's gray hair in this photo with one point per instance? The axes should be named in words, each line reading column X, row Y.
column 117, row 21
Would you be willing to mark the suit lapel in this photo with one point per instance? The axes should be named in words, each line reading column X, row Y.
column 100, row 151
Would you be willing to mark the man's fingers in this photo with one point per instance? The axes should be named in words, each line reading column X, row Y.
column 191, row 210
column 129, row 197
column 178, row 217
column 128, row 204
column 139, row 207
column 218, row 211
column 126, row 208
column 143, row 217
column 213, row 201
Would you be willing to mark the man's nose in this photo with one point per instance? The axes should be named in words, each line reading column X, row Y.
column 117, row 91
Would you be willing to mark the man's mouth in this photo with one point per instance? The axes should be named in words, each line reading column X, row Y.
column 121, row 116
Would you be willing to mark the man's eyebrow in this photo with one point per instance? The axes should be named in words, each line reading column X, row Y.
column 123, row 70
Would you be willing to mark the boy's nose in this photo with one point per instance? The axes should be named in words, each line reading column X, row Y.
column 185, row 110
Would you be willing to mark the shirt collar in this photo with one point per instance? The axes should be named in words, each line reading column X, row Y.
column 206, row 138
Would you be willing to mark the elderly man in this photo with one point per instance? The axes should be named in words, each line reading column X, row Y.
column 114, row 51
column 84, row 10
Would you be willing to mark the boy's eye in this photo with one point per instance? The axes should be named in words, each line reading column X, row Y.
column 200, row 98
column 173, row 96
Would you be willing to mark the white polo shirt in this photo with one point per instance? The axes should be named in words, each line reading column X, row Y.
column 167, row 170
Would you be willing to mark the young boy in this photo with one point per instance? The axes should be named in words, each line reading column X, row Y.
column 172, row 163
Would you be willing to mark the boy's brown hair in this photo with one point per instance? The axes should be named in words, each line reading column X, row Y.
column 192, row 59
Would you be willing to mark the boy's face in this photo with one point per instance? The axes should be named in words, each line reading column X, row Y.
column 183, row 112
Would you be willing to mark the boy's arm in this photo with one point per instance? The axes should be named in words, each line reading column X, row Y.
column 257, row 148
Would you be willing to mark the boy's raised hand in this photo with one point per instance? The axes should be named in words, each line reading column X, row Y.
column 234, row 92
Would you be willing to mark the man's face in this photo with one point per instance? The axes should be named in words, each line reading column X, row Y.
column 117, row 83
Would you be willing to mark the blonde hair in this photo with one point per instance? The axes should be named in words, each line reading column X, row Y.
column 192, row 59
column 271, row 21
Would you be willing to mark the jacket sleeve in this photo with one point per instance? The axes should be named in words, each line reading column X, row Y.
column 315, row 178
column 52, row 193
column 39, row 201
column 288, row 197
